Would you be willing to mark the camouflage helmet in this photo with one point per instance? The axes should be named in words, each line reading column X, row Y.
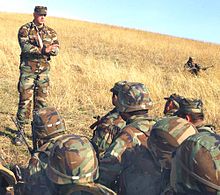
column 72, row 160
column 172, row 104
column 197, row 165
column 190, row 105
column 133, row 97
column 47, row 122
column 166, row 135
column 115, row 89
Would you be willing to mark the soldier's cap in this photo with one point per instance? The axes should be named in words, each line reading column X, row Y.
column 40, row 10
column 117, row 86
column 190, row 105
column 174, row 98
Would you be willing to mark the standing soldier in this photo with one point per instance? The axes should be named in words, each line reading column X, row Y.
column 109, row 125
column 38, row 43
column 128, row 152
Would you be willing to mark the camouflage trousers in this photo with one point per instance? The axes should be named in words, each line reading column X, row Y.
column 32, row 87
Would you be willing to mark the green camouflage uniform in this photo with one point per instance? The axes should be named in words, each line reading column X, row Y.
column 166, row 135
column 73, row 167
column 47, row 127
column 193, row 106
column 109, row 126
column 127, row 157
column 196, row 166
column 34, row 68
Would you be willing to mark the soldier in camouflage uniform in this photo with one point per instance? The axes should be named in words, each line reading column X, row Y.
column 73, row 168
column 38, row 43
column 109, row 125
column 47, row 127
column 166, row 135
column 196, row 166
column 192, row 110
column 127, row 156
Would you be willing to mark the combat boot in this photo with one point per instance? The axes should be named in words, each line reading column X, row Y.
column 19, row 140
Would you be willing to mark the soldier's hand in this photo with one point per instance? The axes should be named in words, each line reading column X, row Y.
column 51, row 48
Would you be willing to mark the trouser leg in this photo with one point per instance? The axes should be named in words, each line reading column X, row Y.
column 41, row 91
column 25, row 89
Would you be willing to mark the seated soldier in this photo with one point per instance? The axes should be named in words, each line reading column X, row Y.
column 7, row 181
column 127, row 157
column 166, row 135
column 196, row 166
column 109, row 125
column 192, row 111
column 47, row 126
column 73, row 168
column 172, row 104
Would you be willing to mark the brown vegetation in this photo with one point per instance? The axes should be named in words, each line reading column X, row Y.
column 92, row 58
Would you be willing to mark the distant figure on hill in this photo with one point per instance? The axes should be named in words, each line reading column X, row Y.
column 193, row 67
column 38, row 43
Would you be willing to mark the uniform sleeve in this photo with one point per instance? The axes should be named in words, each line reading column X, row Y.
column 24, row 42
column 111, row 164
column 54, row 41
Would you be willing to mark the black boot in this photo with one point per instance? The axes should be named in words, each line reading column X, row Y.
column 19, row 140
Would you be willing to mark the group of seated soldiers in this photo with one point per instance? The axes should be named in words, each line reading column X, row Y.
column 130, row 153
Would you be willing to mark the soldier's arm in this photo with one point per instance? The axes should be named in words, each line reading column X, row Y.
column 111, row 164
column 24, row 42
column 55, row 43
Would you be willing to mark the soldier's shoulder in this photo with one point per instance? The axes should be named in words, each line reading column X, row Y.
column 49, row 29
column 27, row 25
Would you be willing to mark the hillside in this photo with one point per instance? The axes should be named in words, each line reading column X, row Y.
column 92, row 58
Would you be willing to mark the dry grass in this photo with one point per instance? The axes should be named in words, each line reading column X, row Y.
column 92, row 58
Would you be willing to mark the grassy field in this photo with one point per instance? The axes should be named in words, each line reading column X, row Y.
column 92, row 58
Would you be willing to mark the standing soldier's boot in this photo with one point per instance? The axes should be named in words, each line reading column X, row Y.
column 19, row 140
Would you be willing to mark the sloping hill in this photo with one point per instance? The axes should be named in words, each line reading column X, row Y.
column 92, row 58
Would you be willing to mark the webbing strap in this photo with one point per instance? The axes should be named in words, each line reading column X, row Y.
column 197, row 177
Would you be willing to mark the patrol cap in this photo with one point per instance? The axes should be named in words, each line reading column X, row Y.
column 117, row 85
column 40, row 10
column 134, row 96
column 190, row 105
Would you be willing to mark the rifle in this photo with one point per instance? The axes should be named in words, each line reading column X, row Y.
column 207, row 67
column 21, row 132
column 98, row 118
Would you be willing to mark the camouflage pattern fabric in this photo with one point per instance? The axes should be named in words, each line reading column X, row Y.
column 109, row 126
column 47, row 122
column 166, row 135
column 72, row 160
column 133, row 97
column 190, row 105
column 34, row 68
column 196, row 165
column 131, row 141
column 37, row 182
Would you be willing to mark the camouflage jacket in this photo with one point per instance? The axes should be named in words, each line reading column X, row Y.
column 131, row 142
column 107, row 128
column 30, row 44
column 37, row 178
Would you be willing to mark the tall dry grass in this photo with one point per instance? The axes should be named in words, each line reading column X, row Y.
column 92, row 58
